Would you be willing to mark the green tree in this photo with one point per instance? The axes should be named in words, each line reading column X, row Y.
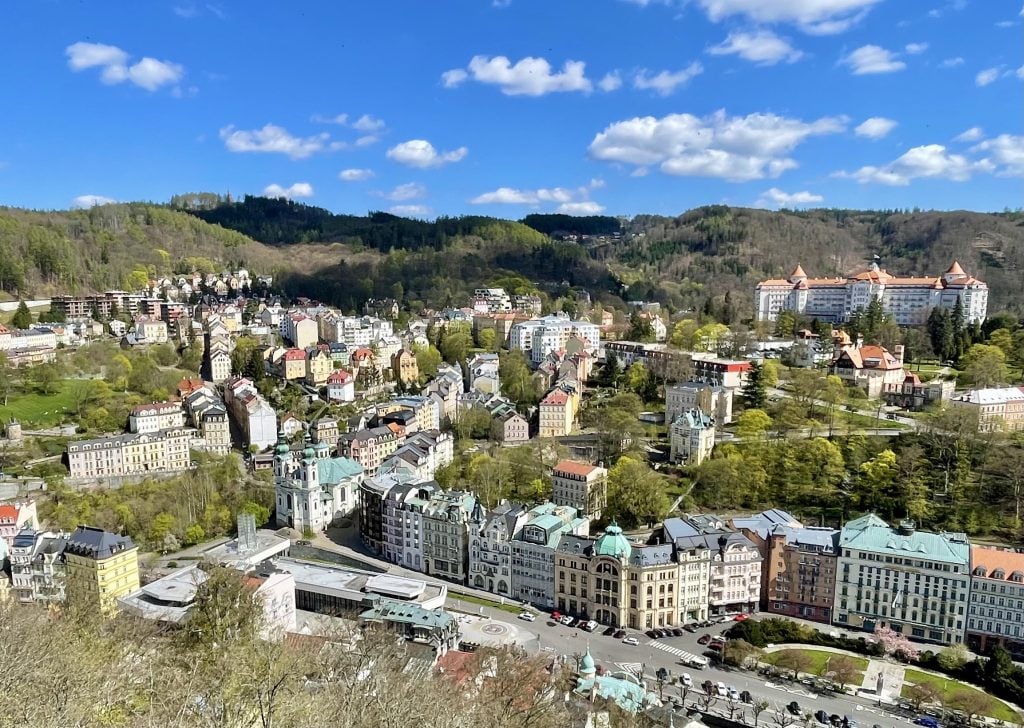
column 455, row 344
column 753, row 424
column 785, row 324
column 984, row 365
column 640, row 328
column 517, row 383
column 485, row 339
column 635, row 378
column 755, row 389
column 163, row 524
column 684, row 334
column 194, row 534
column 770, row 370
column 258, row 511
column 875, row 488
column 428, row 360
column 22, row 318
column 8, row 378
column 636, row 494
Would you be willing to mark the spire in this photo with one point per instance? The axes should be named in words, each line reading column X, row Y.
column 955, row 269
column 798, row 275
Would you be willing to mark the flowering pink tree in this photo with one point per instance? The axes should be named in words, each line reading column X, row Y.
column 895, row 643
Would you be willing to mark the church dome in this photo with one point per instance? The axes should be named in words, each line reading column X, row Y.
column 587, row 666
column 613, row 543
column 309, row 453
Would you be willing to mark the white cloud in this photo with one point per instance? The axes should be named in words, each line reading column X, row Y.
column 738, row 148
column 408, row 191
column 299, row 189
column 185, row 11
column 151, row 74
column 272, row 139
column 872, row 59
column 930, row 161
column 454, row 77
column 367, row 140
column 971, row 135
column 952, row 62
column 817, row 17
column 875, row 128
column 1020, row 73
column 410, row 210
column 368, row 124
column 355, row 175
column 775, row 198
column 665, row 83
column 500, row 3
column 83, row 201
column 984, row 78
column 1007, row 152
column 588, row 207
column 916, row 48
column 89, row 55
column 148, row 73
column 611, row 81
column 527, row 77
column 762, row 47
column 421, row 153
column 339, row 119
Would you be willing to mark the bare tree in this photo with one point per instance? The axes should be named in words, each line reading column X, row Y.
column 757, row 708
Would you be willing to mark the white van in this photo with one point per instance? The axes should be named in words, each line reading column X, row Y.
column 697, row 662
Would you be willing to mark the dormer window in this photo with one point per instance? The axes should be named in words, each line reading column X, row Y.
column 998, row 574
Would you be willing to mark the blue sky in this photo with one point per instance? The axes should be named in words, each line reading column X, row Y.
column 505, row 107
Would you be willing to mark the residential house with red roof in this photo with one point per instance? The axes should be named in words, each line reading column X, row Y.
column 870, row 367
column 14, row 517
column 580, row 486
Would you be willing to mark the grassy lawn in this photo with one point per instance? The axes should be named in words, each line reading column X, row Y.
column 858, row 420
column 816, row 660
column 466, row 598
column 949, row 690
column 39, row 410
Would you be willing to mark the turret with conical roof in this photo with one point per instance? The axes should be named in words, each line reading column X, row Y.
column 798, row 274
column 588, row 668
column 954, row 273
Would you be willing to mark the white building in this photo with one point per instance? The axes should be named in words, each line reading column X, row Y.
column 914, row 582
column 539, row 337
column 341, row 386
column 156, row 416
column 310, row 493
column 299, row 329
column 483, row 374
column 692, row 437
column 909, row 300
column 164, row 451
column 997, row 408
column 714, row 400
column 255, row 418
column 402, row 518
column 490, row 547
column 533, row 551
column 580, row 486
column 996, row 607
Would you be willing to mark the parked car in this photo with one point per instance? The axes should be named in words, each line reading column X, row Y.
column 690, row 627
column 686, row 680
column 720, row 689
column 630, row 641
column 556, row 615
column 741, row 617
column 793, row 708
column 619, row 634
column 568, row 621
column 303, row 542
column 677, row 632
column 927, row 721
column 663, row 674
column 652, row 634
column 704, row 639
column 708, row 687
column 821, row 716
column 835, row 720
column 590, row 626
column 746, row 697
column 609, row 631
column 732, row 693
column 527, row 616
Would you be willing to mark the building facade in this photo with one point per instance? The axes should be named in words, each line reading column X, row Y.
column 691, row 437
column 908, row 300
column 101, row 568
column 313, row 491
column 998, row 409
column 533, row 551
column 165, row 451
column 995, row 612
column 715, row 401
column 447, row 520
column 580, row 486
column 915, row 583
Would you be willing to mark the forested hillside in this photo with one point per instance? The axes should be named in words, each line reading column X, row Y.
column 113, row 246
column 711, row 250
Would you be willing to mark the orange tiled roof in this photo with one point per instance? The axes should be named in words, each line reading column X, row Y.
column 991, row 559
column 573, row 467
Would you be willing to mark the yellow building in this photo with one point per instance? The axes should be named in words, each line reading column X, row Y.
column 319, row 366
column 100, row 567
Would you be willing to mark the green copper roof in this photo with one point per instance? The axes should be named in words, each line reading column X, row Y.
column 332, row 471
column 587, row 665
column 871, row 533
column 613, row 543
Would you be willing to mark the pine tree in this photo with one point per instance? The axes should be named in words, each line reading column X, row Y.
column 22, row 317
column 755, row 391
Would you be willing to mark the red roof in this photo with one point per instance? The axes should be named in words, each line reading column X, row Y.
column 798, row 272
column 573, row 467
column 339, row 376
column 555, row 397
column 8, row 511
column 362, row 353
column 295, row 355
column 955, row 269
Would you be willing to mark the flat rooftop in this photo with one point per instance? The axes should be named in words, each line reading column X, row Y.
column 268, row 545
column 356, row 585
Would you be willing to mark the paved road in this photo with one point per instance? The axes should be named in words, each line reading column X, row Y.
column 652, row 654
column 612, row 654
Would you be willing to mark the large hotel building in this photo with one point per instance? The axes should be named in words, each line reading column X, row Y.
column 908, row 300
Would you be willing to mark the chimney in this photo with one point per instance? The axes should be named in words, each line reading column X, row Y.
column 898, row 352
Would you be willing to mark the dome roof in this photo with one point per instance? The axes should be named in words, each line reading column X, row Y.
column 587, row 665
column 309, row 453
column 613, row 543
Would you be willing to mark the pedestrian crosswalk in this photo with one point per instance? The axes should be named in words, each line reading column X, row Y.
column 681, row 654
column 633, row 668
